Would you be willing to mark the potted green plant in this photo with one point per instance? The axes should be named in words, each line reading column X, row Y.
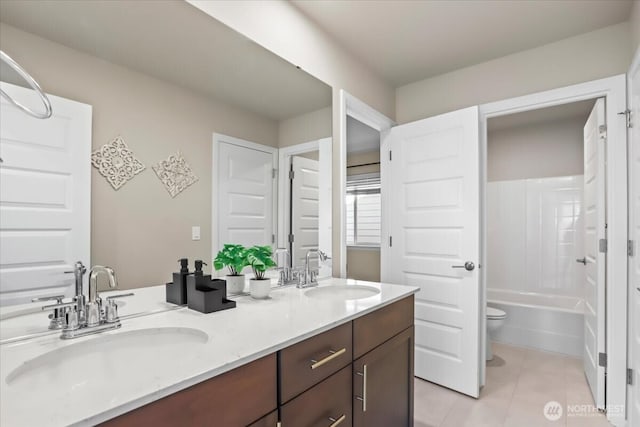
column 259, row 258
column 234, row 257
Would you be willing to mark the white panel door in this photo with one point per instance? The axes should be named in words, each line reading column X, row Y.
column 432, row 218
column 594, row 231
column 245, row 195
column 45, row 197
column 305, row 197
column 633, row 406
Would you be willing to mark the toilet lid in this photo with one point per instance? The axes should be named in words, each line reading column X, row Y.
column 495, row 313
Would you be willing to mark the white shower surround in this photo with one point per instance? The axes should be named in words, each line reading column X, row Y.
column 535, row 235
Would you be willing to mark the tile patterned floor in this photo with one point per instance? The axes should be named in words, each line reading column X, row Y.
column 519, row 383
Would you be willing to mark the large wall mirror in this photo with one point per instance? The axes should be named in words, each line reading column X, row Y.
column 208, row 134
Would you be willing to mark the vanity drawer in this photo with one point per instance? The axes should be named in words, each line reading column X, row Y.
column 326, row 404
column 375, row 328
column 213, row 402
column 307, row 363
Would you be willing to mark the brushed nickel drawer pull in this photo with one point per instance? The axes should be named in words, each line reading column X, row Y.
column 363, row 399
column 317, row 363
column 335, row 422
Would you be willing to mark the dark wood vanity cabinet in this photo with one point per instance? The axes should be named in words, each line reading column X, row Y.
column 236, row 398
column 357, row 374
column 383, row 384
column 270, row 420
column 377, row 350
column 383, row 366
column 327, row 403
column 306, row 363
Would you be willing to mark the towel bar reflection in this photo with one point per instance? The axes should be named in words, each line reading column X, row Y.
column 34, row 85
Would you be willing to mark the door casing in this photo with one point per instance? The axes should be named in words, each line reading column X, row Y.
column 349, row 105
column 633, row 389
column 613, row 89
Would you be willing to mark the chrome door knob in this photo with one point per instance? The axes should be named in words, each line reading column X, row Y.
column 469, row 266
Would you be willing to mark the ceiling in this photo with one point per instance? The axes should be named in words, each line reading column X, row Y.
column 405, row 41
column 575, row 110
column 360, row 137
column 175, row 42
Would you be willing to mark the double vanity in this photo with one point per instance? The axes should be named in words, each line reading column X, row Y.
column 337, row 354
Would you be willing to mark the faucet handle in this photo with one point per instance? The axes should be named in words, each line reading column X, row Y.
column 111, row 310
column 112, row 297
column 60, row 305
column 78, row 267
column 58, row 299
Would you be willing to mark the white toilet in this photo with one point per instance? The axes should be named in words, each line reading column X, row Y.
column 495, row 320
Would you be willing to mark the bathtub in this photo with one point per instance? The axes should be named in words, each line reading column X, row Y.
column 543, row 322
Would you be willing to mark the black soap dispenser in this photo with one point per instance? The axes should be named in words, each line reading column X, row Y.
column 205, row 294
column 177, row 290
column 198, row 271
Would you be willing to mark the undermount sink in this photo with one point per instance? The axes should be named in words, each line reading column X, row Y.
column 86, row 367
column 343, row 292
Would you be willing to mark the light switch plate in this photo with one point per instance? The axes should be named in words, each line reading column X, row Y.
column 195, row 232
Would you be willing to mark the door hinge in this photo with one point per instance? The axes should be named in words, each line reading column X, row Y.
column 629, row 376
column 390, row 241
column 631, row 247
column 390, row 156
column 602, row 131
column 602, row 360
column 292, row 174
column 273, row 238
column 602, row 246
column 274, row 173
column 627, row 114
column 291, row 238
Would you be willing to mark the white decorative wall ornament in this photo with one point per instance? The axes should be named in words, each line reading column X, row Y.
column 175, row 173
column 116, row 162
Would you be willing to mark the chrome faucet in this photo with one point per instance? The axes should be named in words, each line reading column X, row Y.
column 288, row 276
column 310, row 277
column 79, row 317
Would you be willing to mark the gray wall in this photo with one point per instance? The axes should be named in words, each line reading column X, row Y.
column 590, row 56
column 541, row 150
column 304, row 128
column 634, row 22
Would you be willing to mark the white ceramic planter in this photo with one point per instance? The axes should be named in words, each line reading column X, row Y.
column 235, row 284
column 259, row 289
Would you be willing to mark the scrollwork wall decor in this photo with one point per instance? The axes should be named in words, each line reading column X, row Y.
column 175, row 174
column 116, row 162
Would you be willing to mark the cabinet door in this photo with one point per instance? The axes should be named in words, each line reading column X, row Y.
column 383, row 384
column 373, row 329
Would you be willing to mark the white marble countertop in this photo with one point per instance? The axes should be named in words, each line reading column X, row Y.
column 100, row 388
